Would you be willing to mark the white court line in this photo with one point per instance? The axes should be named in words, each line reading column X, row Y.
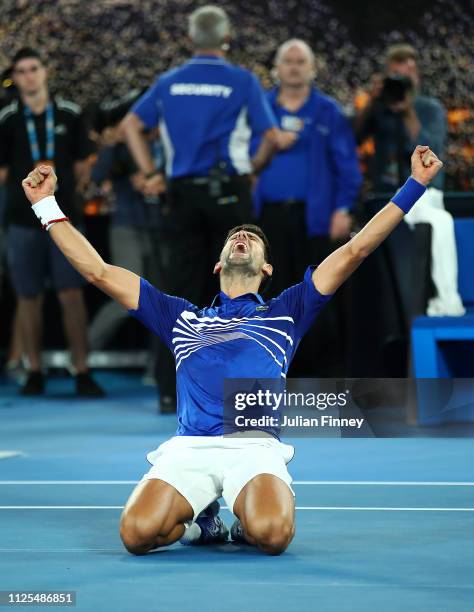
column 67, row 482
column 375, row 483
column 11, row 453
column 56, row 550
column 394, row 483
column 362, row 508
column 61, row 507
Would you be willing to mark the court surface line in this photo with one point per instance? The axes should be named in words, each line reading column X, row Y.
column 351, row 508
column 56, row 550
column 375, row 483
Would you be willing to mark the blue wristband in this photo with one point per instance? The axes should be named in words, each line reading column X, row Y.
column 408, row 195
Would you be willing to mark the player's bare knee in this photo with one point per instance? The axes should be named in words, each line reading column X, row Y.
column 272, row 534
column 137, row 533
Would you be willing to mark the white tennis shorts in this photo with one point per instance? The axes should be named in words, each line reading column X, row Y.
column 204, row 468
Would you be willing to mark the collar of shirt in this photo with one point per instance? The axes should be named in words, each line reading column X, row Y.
column 22, row 106
column 298, row 111
column 222, row 298
column 215, row 58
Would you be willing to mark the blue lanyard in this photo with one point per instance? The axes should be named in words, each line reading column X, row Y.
column 33, row 137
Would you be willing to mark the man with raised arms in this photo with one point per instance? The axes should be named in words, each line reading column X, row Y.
column 238, row 336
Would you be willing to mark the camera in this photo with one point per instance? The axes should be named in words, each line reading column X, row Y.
column 395, row 88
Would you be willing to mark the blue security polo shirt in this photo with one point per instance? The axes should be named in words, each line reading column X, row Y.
column 206, row 110
column 244, row 337
column 287, row 177
column 322, row 168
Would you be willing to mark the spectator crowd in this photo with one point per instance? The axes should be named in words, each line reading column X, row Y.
column 100, row 50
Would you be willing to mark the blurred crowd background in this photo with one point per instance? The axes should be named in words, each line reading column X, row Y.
column 103, row 55
column 99, row 51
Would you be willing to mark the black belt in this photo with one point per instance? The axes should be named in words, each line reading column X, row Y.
column 287, row 203
column 205, row 180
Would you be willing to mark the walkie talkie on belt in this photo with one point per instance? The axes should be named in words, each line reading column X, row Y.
column 217, row 175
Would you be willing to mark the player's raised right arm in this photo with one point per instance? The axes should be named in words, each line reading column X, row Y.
column 122, row 285
column 340, row 264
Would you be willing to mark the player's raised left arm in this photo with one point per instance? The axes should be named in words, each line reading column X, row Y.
column 336, row 268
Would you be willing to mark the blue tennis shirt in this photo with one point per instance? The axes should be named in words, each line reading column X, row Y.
column 244, row 337
column 207, row 110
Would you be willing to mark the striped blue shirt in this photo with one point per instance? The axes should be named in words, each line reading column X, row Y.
column 244, row 337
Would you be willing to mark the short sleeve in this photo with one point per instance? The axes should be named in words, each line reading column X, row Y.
column 259, row 112
column 304, row 302
column 159, row 311
column 147, row 108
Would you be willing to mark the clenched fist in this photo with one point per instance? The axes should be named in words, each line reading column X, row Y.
column 40, row 183
column 424, row 164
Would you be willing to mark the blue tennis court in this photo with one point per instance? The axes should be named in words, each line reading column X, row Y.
column 381, row 523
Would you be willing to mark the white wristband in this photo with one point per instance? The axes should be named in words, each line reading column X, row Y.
column 48, row 212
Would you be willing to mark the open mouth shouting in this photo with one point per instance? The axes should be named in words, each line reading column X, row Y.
column 240, row 248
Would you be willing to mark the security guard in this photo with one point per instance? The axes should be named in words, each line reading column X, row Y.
column 206, row 111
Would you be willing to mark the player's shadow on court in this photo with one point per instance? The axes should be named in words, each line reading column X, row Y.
column 199, row 552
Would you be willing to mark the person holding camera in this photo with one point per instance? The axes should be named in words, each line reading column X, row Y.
column 397, row 117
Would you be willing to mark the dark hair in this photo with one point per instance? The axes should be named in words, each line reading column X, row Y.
column 249, row 227
column 24, row 53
